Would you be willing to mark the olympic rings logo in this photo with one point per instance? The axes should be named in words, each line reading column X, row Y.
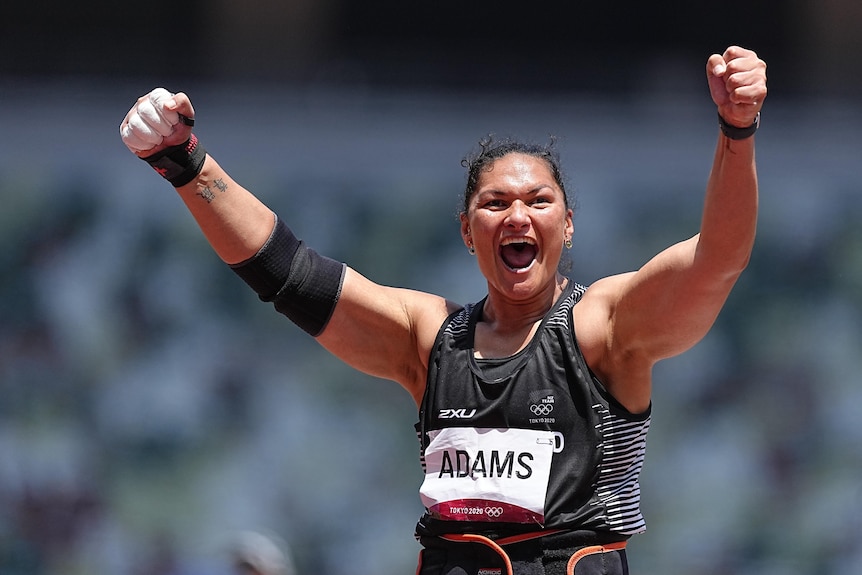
column 493, row 512
column 542, row 409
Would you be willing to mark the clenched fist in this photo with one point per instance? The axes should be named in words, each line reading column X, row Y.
column 737, row 83
column 157, row 121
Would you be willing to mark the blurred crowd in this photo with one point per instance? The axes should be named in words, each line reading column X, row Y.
column 151, row 408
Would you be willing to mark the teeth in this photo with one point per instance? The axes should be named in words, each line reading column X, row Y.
column 509, row 241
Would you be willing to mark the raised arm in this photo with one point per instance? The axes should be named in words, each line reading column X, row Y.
column 632, row 320
column 158, row 128
column 383, row 331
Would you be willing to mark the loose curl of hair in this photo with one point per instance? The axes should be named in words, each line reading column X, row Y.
column 490, row 150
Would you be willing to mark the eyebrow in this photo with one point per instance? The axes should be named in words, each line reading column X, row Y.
column 532, row 192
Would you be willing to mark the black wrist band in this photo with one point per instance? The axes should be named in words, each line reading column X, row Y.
column 735, row 133
column 179, row 164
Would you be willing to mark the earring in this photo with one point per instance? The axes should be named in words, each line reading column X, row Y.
column 568, row 243
column 471, row 250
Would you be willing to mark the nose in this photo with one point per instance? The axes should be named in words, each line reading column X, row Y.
column 517, row 216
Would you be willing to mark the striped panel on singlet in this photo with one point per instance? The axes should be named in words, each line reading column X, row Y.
column 618, row 488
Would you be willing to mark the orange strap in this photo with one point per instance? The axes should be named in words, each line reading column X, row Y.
column 470, row 538
column 527, row 536
column 581, row 553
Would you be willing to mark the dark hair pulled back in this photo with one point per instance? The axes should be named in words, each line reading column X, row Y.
column 490, row 150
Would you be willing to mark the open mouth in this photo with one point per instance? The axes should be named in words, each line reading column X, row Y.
column 518, row 253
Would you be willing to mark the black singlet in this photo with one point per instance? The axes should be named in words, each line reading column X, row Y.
column 527, row 443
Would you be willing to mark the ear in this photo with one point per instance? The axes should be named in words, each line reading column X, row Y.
column 465, row 230
column 569, row 225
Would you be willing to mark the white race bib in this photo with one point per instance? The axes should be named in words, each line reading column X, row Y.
column 488, row 474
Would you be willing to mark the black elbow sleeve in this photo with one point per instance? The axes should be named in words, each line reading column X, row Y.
column 301, row 284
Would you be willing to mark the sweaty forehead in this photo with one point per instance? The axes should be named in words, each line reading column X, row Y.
column 516, row 169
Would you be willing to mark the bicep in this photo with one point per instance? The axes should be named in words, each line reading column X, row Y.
column 670, row 304
column 626, row 323
column 384, row 331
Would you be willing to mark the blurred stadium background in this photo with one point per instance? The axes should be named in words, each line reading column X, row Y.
column 150, row 406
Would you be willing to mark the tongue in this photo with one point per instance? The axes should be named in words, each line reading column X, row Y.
column 518, row 256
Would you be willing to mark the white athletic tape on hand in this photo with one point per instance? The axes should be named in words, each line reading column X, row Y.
column 148, row 113
column 134, row 142
column 149, row 122
column 157, row 98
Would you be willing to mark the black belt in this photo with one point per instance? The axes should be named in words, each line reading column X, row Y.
column 551, row 552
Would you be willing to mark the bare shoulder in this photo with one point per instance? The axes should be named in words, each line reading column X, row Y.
column 619, row 371
column 594, row 312
column 426, row 314
column 428, row 311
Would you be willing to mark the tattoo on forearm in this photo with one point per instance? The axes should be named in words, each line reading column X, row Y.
column 208, row 195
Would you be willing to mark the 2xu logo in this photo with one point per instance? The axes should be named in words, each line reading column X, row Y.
column 491, row 571
column 460, row 413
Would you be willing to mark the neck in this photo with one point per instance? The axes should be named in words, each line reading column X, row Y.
column 507, row 327
column 505, row 315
